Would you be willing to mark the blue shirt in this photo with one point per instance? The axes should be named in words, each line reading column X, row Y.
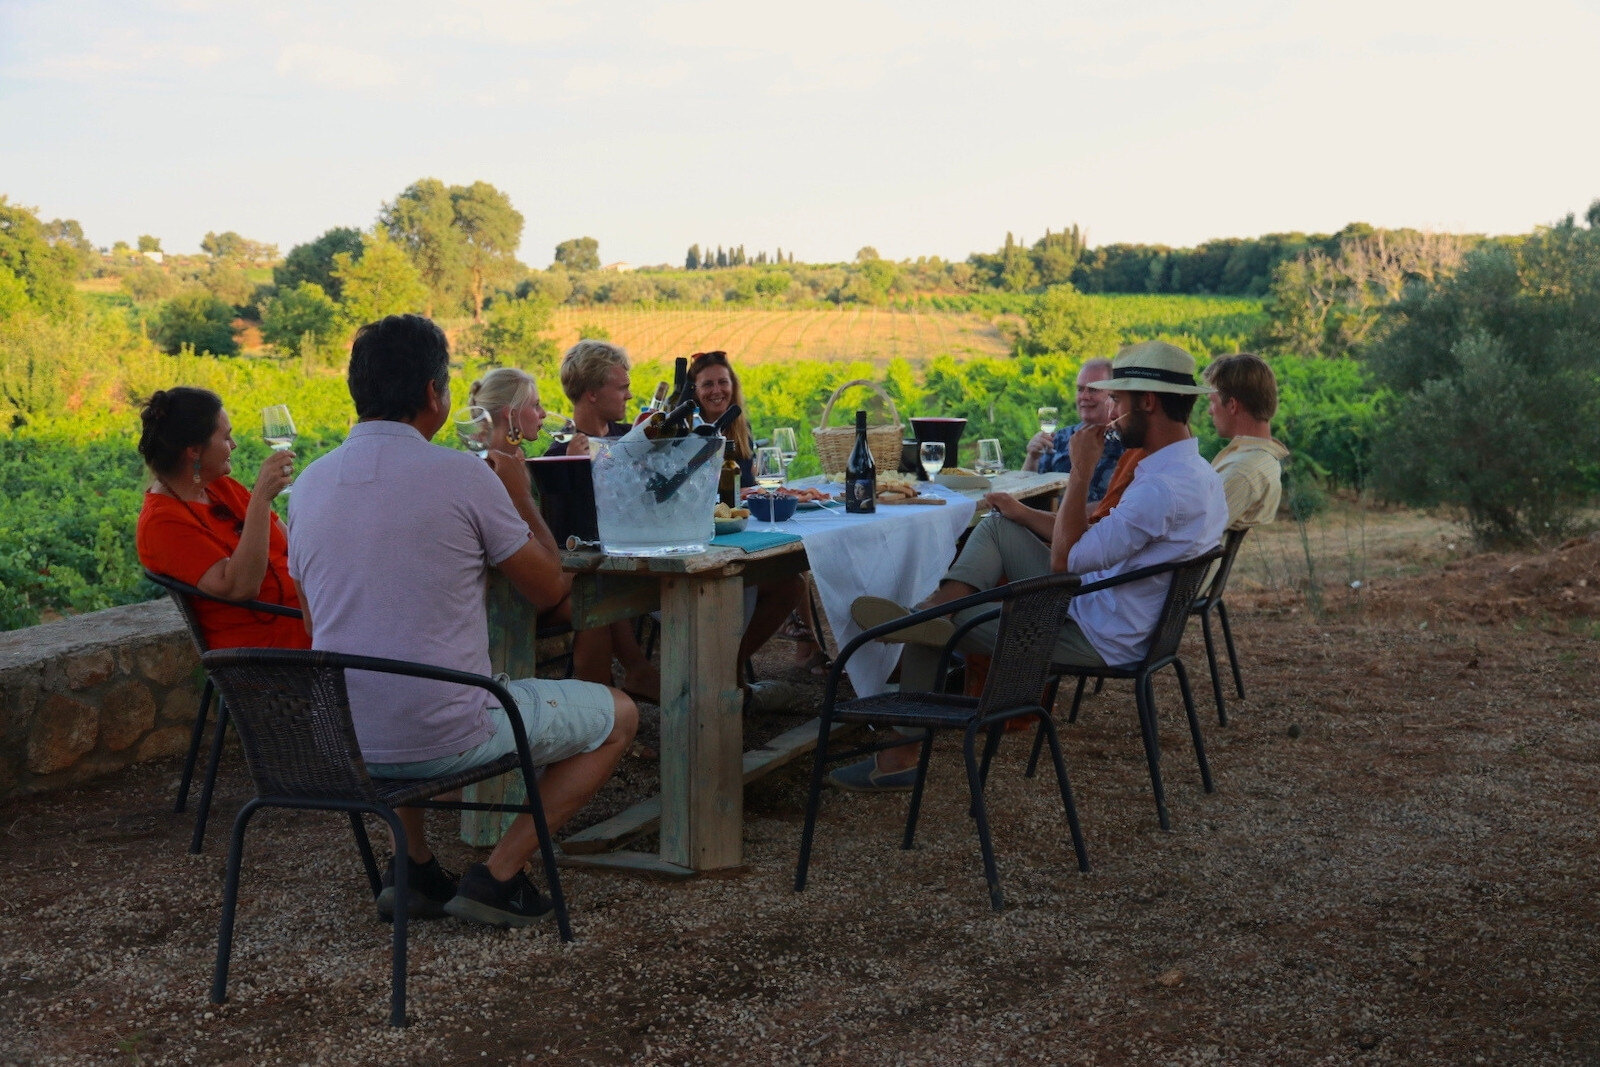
column 1057, row 459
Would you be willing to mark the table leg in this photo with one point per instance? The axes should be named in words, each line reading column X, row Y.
column 702, row 728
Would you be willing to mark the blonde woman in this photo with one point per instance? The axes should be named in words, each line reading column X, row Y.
column 511, row 397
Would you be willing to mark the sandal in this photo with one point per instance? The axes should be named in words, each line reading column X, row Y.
column 795, row 629
column 819, row 663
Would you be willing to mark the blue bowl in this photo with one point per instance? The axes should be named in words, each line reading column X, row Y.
column 760, row 507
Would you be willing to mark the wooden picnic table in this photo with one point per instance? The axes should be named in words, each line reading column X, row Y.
column 703, row 762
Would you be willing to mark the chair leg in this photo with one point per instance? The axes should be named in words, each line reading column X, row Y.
column 230, row 901
column 1233, row 655
column 194, row 746
column 1211, row 659
column 1144, row 696
column 1194, row 726
column 980, row 815
column 813, row 800
column 198, row 838
column 1077, row 698
column 916, row 790
column 368, row 862
column 1048, row 703
column 1099, row 684
column 402, row 894
column 1047, row 729
column 991, row 745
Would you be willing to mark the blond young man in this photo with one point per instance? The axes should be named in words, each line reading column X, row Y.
column 1251, row 465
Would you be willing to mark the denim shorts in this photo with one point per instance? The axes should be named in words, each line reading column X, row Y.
column 563, row 718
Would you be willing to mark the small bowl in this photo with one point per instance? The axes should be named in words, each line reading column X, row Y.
column 760, row 509
column 730, row 526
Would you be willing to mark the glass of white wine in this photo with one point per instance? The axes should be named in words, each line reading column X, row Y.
column 277, row 428
column 1049, row 419
column 990, row 461
column 560, row 428
column 932, row 456
column 768, row 469
column 475, row 429
column 788, row 446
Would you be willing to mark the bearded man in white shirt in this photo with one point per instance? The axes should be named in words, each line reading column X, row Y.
column 1174, row 510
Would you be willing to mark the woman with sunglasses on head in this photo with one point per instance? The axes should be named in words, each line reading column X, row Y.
column 207, row 530
column 511, row 397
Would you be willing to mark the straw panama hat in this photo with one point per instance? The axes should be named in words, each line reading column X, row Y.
column 1153, row 367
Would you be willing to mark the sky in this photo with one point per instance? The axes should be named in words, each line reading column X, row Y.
column 926, row 128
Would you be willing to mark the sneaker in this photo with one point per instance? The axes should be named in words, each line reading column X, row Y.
column 864, row 777
column 431, row 885
column 481, row 898
column 870, row 611
column 772, row 697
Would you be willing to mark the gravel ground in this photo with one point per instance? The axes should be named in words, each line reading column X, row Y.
column 1398, row 865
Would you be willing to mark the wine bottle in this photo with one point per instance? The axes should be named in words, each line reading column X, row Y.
column 654, row 404
column 680, row 374
column 712, row 429
column 674, row 423
column 728, row 479
column 861, row 474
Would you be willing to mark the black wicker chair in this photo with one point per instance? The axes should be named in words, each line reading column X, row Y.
column 184, row 597
column 1031, row 613
column 1187, row 578
column 1211, row 600
column 292, row 714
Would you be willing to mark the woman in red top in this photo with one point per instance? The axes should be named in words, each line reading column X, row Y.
column 207, row 530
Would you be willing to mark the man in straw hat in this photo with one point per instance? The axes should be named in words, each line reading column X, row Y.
column 1175, row 509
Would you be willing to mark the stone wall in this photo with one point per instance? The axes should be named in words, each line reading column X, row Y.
column 93, row 693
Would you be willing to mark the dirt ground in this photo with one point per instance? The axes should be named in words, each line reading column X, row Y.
column 1399, row 864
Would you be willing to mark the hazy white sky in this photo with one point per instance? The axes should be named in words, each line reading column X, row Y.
column 922, row 128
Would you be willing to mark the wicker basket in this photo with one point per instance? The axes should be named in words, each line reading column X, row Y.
column 835, row 442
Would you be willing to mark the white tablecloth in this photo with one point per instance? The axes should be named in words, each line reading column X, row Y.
column 900, row 553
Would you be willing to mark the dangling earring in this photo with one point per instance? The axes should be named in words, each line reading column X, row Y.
column 197, row 470
column 514, row 434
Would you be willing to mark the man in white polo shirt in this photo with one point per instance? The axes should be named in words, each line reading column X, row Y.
column 390, row 542
column 1174, row 510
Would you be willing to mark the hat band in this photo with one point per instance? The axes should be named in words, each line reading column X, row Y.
column 1156, row 374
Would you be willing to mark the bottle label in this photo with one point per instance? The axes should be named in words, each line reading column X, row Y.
column 861, row 495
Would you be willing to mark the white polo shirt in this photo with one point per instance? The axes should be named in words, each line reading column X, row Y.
column 390, row 541
column 1174, row 509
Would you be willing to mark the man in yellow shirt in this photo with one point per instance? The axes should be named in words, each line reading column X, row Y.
column 1251, row 465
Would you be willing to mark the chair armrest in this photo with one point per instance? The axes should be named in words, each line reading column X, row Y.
column 984, row 596
column 224, row 657
column 172, row 585
column 1149, row 572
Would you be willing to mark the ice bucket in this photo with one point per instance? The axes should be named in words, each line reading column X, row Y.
column 566, row 496
column 653, row 498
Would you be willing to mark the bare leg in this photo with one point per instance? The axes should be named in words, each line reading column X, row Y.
column 416, row 835
column 565, row 787
column 774, row 601
column 639, row 675
column 591, row 655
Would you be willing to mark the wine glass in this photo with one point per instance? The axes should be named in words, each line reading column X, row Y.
column 560, row 428
column 475, row 428
column 1049, row 419
column 277, row 428
column 932, row 456
column 990, row 461
column 788, row 446
column 768, row 468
